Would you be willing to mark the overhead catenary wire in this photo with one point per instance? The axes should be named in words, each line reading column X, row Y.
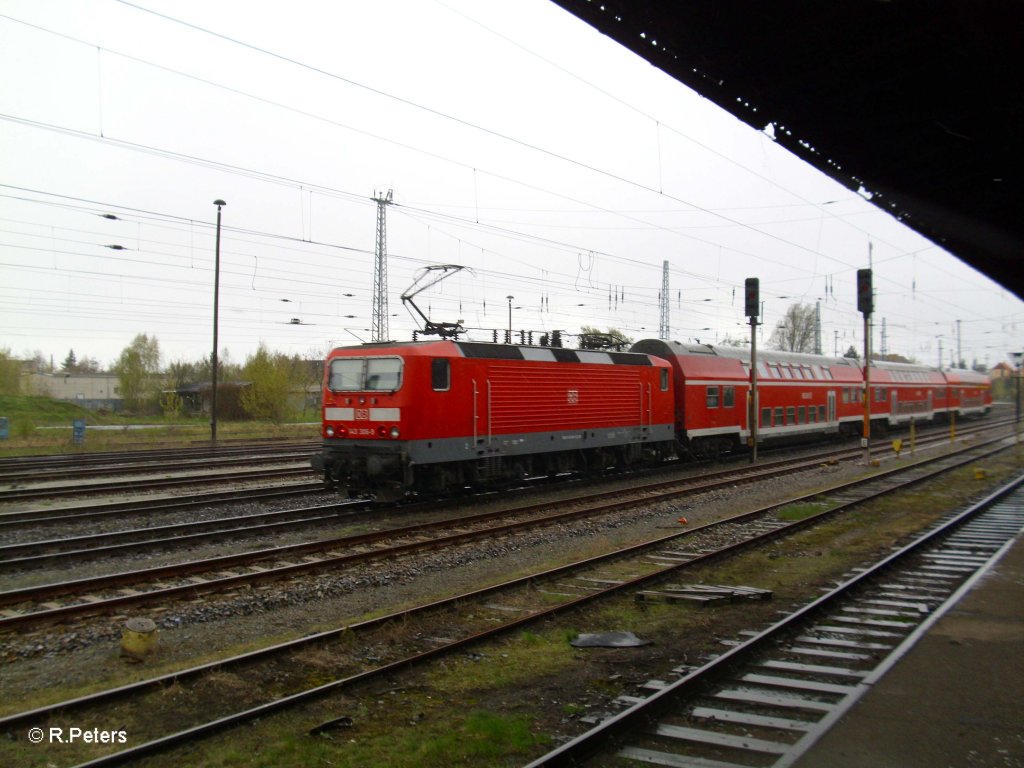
column 302, row 185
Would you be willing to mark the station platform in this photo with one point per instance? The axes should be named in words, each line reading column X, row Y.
column 956, row 699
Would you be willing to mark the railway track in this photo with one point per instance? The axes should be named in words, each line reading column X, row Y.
column 207, row 463
column 119, row 509
column 26, row 464
column 60, row 601
column 765, row 702
column 529, row 599
column 66, row 549
column 154, row 482
column 63, row 467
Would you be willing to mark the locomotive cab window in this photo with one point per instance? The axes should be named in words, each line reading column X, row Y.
column 440, row 374
column 346, row 375
column 359, row 374
column 664, row 379
column 383, row 373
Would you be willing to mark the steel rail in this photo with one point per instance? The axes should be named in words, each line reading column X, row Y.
column 122, row 508
column 181, row 462
column 528, row 580
column 597, row 504
column 188, row 735
column 146, row 484
column 671, row 698
column 151, row 454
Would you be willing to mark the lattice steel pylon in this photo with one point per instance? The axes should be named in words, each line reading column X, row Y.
column 380, row 274
column 663, row 331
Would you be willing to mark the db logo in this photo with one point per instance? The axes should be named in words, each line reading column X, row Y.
column 572, row 397
column 362, row 414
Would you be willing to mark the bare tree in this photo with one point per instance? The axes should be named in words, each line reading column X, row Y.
column 795, row 331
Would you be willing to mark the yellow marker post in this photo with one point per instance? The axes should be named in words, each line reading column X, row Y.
column 897, row 446
column 139, row 639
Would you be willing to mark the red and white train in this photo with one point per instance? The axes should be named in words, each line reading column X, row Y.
column 402, row 418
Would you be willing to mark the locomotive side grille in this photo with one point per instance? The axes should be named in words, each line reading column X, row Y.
column 551, row 398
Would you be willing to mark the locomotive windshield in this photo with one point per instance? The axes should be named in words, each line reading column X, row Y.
column 360, row 374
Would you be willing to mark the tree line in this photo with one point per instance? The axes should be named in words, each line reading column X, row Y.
column 267, row 386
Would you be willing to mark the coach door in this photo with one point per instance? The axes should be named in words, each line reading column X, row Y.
column 894, row 397
column 831, row 406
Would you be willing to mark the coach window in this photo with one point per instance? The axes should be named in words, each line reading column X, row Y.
column 790, row 415
column 712, row 397
column 821, row 413
column 766, row 417
column 440, row 374
column 728, row 397
column 383, row 374
column 778, row 417
column 801, row 415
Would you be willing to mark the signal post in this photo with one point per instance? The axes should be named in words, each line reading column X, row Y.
column 866, row 305
column 752, row 300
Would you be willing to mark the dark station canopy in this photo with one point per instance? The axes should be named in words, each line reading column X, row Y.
column 918, row 102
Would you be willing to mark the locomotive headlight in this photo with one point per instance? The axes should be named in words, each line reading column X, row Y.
column 394, row 433
column 329, row 431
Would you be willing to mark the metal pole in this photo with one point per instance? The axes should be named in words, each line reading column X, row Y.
column 1017, row 372
column 867, row 390
column 753, row 390
column 1016, row 424
column 216, row 308
column 510, row 317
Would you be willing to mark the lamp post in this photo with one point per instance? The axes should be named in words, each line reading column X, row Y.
column 216, row 306
column 510, row 317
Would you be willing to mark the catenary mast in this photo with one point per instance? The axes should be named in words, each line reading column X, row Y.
column 380, row 274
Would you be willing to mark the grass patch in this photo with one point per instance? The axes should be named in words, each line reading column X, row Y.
column 503, row 663
column 42, row 426
column 394, row 730
column 793, row 512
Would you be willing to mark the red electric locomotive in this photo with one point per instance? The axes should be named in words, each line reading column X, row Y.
column 436, row 415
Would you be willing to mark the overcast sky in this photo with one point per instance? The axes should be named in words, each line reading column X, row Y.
column 555, row 165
